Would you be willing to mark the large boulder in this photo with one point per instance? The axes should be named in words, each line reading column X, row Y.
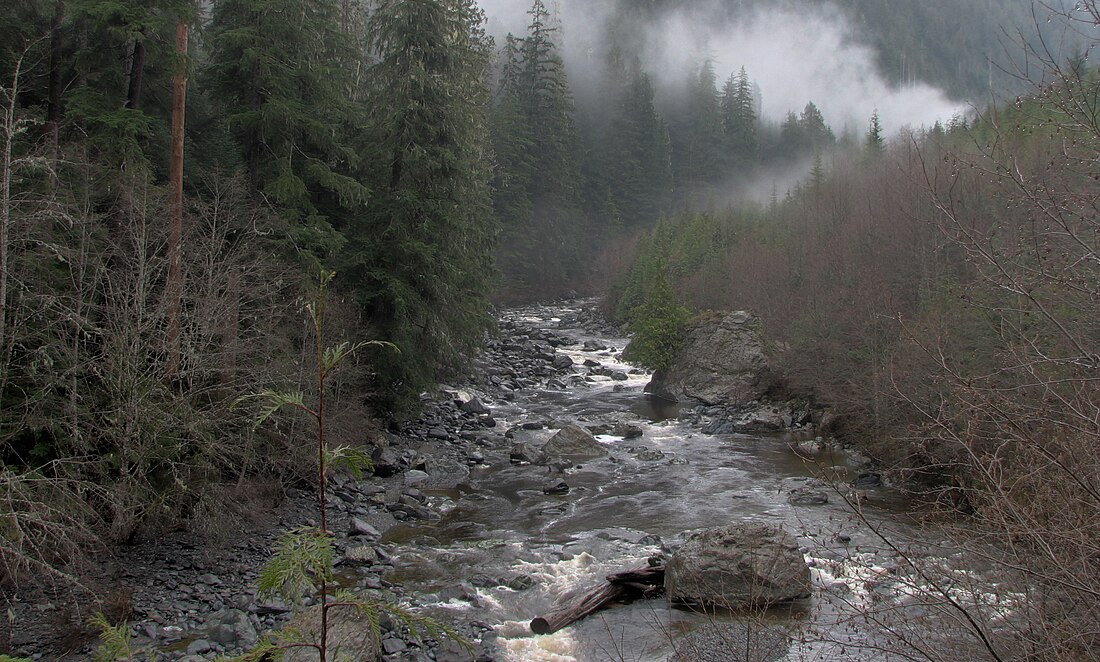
column 721, row 362
column 736, row 566
column 574, row 441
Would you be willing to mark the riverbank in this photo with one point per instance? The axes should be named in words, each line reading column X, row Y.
column 468, row 521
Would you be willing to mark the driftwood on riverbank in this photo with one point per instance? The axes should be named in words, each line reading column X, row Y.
column 643, row 582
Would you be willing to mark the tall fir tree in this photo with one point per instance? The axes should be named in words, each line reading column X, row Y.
column 283, row 71
column 540, row 251
column 697, row 141
column 422, row 255
column 511, row 140
column 874, row 142
column 739, row 122
column 816, row 134
column 118, row 103
column 639, row 160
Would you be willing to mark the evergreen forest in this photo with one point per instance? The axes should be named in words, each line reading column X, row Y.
column 174, row 176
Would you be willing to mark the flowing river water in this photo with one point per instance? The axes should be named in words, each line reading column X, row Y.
column 500, row 528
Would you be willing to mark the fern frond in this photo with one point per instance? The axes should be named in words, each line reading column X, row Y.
column 273, row 402
column 291, row 634
column 332, row 356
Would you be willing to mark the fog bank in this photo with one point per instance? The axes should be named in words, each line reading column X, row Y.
column 795, row 53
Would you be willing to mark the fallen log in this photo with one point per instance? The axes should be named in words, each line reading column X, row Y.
column 625, row 586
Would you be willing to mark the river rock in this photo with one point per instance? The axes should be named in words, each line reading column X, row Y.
column 573, row 440
column 735, row 566
column 766, row 418
column 557, row 487
column 563, row 361
column 474, row 406
column 361, row 555
column 386, row 462
column 804, row 496
column 522, row 453
column 232, row 628
column 867, row 481
column 364, row 529
column 721, row 361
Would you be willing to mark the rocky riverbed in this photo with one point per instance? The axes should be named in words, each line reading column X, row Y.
column 547, row 469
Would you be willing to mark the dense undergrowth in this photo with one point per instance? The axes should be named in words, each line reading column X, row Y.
column 170, row 173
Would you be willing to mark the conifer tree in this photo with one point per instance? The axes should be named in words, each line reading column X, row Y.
column 543, row 244
column 511, row 140
column 697, row 148
column 874, row 141
column 639, row 163
column 282, row 69
column 739, row 121
column 117, row 103
column 791, row 142
column 422, row 253
column 816, row 134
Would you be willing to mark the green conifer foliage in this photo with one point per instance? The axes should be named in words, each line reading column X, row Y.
column 119, row 102
column 874, row 141
column 739, row 122
column 422, row 255
column 816, row 134
column 697, row 147
column 639, row 167
column 541, row 213
column 658, row 327
column 511, row 140
column 283, row 71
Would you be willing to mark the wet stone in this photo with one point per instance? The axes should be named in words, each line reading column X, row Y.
column 807, row 497
column 556, row 488
column 361, row 528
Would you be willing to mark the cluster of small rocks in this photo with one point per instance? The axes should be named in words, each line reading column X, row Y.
column 526, row 357
column 757, row 416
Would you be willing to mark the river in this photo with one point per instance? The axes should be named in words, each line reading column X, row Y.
column 500, row 528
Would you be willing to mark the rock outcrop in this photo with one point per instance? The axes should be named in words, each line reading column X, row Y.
column 721, row 362
column 740, row 565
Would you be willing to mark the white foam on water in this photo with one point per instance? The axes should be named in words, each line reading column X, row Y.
column 556, row 580
column 557, row 647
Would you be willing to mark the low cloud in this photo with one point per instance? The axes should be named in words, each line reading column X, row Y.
column 795, row 53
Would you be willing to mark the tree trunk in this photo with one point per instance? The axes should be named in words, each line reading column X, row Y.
column 137, row 73
column 644, row 582
column 56, row 88
column 7, row 134
column 174, row 284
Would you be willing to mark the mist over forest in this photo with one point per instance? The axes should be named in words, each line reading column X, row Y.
column 917, row 63
column 381, row 271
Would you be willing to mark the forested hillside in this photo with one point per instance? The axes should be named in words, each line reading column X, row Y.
column 939, row 293
column 175, row 175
